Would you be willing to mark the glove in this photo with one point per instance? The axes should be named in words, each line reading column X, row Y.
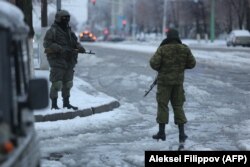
column 81, row 50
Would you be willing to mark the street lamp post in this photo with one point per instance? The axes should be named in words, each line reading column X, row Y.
column 112, row 17
column 134, row 20
column 197, row 18
column 212, row 21
column 58, row 5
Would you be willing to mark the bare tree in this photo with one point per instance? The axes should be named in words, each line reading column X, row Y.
column 188, row 16
column 240, row 10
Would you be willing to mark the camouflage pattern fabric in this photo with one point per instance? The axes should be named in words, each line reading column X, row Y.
column 171, row 60
column 60, row 44
column 174, row 94
column 62, row 80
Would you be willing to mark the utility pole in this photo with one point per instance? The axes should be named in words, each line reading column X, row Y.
column 113, row 17
column 134, row 20
column 120, row 7
column 120, row 14
column 164, row 18
column 58, row 5
column 43, row 63
column 212, row 21
column 44, row 15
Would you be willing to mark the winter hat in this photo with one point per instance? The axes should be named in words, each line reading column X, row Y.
column 173, row 34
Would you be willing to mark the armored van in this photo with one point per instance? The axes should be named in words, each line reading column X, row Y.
column 20, row 93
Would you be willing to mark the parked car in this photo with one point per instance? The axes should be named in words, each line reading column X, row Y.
column 115, row 38
column 87, row 36
column 20, row 92
column 239, row 38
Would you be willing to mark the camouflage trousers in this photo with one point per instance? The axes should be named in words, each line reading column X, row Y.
column 62, row 80
column 174, row 94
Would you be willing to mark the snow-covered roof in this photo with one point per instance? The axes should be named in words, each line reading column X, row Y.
column 241, row 32
column 11, row 17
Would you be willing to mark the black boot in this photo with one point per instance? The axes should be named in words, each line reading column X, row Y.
column 182, row 135
column 54, row 104
column 67, row 105
column 161, row 134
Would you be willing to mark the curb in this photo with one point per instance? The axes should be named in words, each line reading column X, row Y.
column 79, row 113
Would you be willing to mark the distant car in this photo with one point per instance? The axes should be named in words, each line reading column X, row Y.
column 87, row 36
column 239, row 38
column 115, row 38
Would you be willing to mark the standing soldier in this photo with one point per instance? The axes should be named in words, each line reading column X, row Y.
column 61, row 47
column 170, row 61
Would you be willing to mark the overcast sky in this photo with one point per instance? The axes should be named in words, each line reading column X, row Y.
column 77, row 8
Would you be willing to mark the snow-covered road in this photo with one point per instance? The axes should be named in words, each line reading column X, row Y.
column 217, row 108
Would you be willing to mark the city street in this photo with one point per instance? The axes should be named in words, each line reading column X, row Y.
column 217, row 107
column 74, row 75
column 217, row 93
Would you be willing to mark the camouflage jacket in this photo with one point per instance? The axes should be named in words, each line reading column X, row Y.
column 170, row 61
column 57, row 44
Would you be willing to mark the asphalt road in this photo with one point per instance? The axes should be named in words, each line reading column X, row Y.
column 125, row 75
column 217, row 102
column 108, row 74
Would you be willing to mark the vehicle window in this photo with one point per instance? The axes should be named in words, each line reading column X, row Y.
column 26, row 70
column 5, row 78
column 21, row 66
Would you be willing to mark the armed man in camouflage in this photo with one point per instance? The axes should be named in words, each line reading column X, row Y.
column 62, row 49
column 170, row 61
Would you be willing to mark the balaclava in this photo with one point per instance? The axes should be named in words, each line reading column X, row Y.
column 62, row 18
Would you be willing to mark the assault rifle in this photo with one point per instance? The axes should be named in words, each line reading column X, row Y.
column 47, row 50
column 89, row 52
column 151, row 87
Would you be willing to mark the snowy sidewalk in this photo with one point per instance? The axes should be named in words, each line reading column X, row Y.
column 88, row 100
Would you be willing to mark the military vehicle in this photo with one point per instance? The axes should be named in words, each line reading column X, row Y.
column 20, row 92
